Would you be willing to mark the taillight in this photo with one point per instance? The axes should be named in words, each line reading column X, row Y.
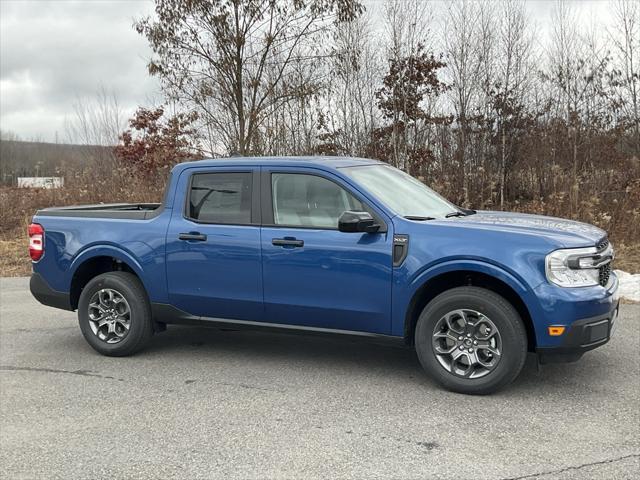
column 36, row 241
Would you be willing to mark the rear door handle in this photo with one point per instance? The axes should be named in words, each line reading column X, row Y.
column 197, row 237
column 287, row 242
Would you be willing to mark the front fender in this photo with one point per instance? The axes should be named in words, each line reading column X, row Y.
column 404, row 296
column 500, row 272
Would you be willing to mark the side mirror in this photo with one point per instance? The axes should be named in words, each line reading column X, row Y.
column 354, row 222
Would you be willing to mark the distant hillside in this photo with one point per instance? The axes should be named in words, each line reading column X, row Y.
column 28, row 159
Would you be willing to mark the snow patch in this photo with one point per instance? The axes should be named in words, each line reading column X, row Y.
column 629, row 286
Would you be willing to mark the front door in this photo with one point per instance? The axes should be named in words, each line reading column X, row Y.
column 313, row 274
column 213, row 245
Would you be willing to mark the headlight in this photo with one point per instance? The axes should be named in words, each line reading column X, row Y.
column 575, row 267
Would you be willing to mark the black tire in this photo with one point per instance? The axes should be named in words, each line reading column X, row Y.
column 141, row 324
column 503, row 315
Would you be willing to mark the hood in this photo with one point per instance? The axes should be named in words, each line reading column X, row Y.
column 558, row 231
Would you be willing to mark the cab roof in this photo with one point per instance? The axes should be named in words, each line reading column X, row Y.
column 306, row 161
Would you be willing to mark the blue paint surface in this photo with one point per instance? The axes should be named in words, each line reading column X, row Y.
column 336, row 280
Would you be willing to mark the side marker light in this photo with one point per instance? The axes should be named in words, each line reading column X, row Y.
column 556, row 331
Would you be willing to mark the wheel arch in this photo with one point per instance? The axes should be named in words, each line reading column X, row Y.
column 447, row 280
column 96, row 262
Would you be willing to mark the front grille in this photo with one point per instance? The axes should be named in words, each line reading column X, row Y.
column 604, row 272
column 602, row 244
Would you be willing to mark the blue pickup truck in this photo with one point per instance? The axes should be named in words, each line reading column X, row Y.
column 335, row 245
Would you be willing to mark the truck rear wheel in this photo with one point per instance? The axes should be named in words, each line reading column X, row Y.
column 115, row 315
column 471, row 340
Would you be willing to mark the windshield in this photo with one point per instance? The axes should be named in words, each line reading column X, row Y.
column 400, row 192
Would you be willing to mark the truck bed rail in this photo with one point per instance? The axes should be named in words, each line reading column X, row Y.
column 133, row 211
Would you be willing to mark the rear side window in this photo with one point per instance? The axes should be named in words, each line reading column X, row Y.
column 221, row 198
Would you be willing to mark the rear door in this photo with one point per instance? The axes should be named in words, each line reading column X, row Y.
column 313, row 274
column 213, row 244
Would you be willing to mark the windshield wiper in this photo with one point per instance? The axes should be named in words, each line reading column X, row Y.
column 455, row 214
column 418, row 218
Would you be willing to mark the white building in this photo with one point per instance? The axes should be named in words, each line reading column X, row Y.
column 40, row 182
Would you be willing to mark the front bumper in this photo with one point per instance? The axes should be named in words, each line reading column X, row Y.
column 583, row 335
column 588, row 315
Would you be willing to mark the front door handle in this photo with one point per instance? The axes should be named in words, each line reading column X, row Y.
column 287, row 242
column 193, row 236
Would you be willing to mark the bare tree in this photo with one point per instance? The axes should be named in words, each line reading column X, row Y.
column 566, row 64
column 511, row 82
column 626, row 40
column 461, row 40
column 407, row 32
column 234, row 61
column 98, row 120
column 349, row 113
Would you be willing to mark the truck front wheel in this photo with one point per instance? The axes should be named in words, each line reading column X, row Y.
column 471, row 340
column 114, row 314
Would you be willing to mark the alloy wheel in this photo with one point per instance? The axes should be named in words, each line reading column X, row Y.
column 467, row 343
column 109, row 315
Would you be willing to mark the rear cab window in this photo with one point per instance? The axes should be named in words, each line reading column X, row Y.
column 220, row 197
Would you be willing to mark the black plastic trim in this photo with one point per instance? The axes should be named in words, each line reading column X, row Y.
column 266, row 203
column 130, row 211
column 400, row 249
column 256, row 211
column 577, row 340
column 46, row 295
column 165, row 313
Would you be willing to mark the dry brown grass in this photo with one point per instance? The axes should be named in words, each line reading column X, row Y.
column 627, row 257
column 14, row 258
column 620, row 217
column 18, row 205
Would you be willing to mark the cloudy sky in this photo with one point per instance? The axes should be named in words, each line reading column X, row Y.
column 53, row 52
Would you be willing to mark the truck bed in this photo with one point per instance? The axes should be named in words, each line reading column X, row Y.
column 131, row 211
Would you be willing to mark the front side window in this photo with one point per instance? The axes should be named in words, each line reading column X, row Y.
column 309, row 201
column 221, row 198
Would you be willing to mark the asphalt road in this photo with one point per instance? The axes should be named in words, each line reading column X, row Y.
column 207, row 403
